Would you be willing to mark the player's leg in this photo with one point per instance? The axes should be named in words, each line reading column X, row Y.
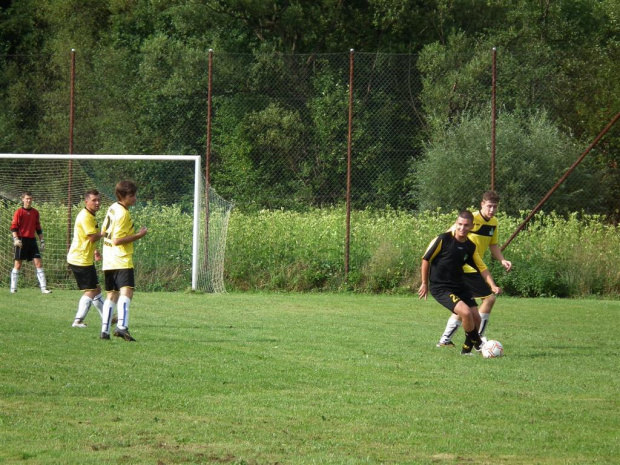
column 38, row 263
column 17, row 265
column 112, row 294
column 452, row 326
column 485, row 314
column 480, row 290
column 127, row 281
column 87, row 282
column 98, row 300
column 471, row 321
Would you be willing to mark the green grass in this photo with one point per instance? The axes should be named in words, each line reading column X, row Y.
column 306, row 378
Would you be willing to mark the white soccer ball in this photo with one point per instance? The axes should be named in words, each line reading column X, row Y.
column 492, row 349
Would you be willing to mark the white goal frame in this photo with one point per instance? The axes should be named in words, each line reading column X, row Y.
column 197, row 179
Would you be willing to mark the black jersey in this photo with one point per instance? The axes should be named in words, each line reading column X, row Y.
column 447, row 256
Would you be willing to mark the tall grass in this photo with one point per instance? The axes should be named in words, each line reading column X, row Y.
column 280, row 250
column 283, row 250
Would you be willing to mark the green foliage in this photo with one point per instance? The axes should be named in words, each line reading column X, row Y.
column 292, row 251
column 532, row 155
column 305, row 379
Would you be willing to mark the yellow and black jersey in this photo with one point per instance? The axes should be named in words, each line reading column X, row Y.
column 447, row 256
column 82, row 250
column 483, row 234
column 117, row 224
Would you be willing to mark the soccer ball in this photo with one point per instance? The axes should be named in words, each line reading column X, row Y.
column 492, row 349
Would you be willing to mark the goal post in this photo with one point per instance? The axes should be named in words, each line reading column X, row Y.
column 171, row 203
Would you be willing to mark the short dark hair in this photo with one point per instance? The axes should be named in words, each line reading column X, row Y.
column 91, row 192
column 466, row 214
column 490, row 196
column 124, row 189
column 26, row 193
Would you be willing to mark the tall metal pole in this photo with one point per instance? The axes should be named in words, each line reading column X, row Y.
column 71, row 125
column 561, row 180
column 208, row 159
column 493, row 117
column 349, row 143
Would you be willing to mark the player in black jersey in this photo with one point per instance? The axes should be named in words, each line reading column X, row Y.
column 444, row 259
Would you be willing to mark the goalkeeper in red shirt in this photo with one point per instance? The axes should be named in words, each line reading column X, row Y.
column 25, row 225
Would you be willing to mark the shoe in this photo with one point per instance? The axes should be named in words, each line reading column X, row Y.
column 105, row 336
column 13, row 291
column 115, row 319
column 78, row 324
column 466, row 350
column 124, row 333
column 470, row 354
column 45, row 291
column 445, row 344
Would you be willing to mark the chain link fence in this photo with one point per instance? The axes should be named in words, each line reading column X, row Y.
column 419, row 128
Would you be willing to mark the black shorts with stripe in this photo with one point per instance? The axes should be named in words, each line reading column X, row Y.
column 477, row 285
column 85, row 276
column 115, row 280
column 28, row 251
column 450, row 297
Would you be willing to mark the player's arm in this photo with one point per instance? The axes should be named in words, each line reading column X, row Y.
column 423, row 291
column 497, row 255
column 431, row 252
column 94, row 237
column 486, row 275
column 129, row 239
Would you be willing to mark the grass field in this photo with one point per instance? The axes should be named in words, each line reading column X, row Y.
column 306, row 378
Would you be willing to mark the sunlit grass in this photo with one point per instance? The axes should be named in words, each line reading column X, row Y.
column 306, row 378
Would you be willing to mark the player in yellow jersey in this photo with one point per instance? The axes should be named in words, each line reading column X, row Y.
column 82, row 256
column 118, row 238
column 485, row 235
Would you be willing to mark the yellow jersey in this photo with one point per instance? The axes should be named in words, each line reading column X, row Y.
column 483, row 234
column 82, row 250
column 117, row 224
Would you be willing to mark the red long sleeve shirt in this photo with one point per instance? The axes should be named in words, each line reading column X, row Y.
column 26, row 222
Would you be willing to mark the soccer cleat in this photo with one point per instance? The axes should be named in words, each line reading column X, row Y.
column 45, row 290
column 13, row 291
column 79, row 324
column 471, row 354
column 105, row 336
column 445, row 344
column 124, row 333
column 466, row 350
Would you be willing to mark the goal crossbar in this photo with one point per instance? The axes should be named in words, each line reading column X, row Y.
column 194, row 158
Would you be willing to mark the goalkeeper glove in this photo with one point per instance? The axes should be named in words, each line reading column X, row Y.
column 17, row 242
column 42, row 245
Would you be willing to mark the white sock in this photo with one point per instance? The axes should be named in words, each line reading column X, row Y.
column 106, row 316
column 98, row 303
column 41, row 277
column 14, row 278
column 451, row 327
column 83, row 307
column 123, row 312
column 484, row 323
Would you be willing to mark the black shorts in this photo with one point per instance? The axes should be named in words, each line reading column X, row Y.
column 477, row 285
column 28, row 251
column 85, row 276
column 450, row 297
column 115, row 280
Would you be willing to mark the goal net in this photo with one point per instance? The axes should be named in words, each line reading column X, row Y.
column 187, row 225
